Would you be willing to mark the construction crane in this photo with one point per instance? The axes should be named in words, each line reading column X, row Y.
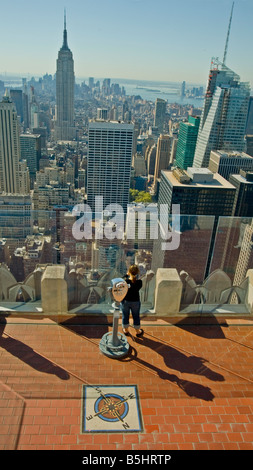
column 229, row 27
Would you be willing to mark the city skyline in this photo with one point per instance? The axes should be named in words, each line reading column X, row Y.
column 156, row 41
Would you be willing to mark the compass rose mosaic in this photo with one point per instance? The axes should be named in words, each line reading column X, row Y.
column 109, row 408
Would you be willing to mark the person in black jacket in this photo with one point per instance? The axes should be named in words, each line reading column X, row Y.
column 131, row 302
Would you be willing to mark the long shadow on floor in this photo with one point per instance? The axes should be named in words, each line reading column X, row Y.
column 175, row 359
column 28, row 355
column 209, row 328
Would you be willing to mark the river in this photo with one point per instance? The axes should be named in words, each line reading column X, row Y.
column 148, row 90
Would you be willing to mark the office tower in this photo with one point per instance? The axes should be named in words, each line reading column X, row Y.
column 33, row 110
column 106, row 87
column 91, row 82
column 160, row 113
column 26, row 110
column 124, row 110
column 43, row 133
column 17, row 98
column 151, row 159
column 9, row 146
column 23, row 177
column 182, row 90
column 1, row 88
column 249, row 144
column 25, row 104
column 135, row 137
column 243, row 183
column 102, row 113
column 249, row 126
column 224, row 115
column 109, row 162
column 229, row 163
column 162, row 155
column 113, row 114
column 65, row 85
column 198, row 191
column 187, row 138
column 16, row 220
column 30, row 146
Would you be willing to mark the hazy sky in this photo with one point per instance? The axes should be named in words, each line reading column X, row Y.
column 163, row 40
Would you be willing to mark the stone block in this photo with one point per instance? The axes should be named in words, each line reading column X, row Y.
column 54, row 290
column 168, row 292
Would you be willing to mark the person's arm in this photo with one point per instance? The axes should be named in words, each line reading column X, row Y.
column 139, row 284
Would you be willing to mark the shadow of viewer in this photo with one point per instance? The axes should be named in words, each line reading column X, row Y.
column 175, row 359
column 28, row 355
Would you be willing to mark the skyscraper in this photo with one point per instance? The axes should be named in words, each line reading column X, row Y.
column 160, row 112
column 187, row 138
column 162, row 155
column 17, row 98
column 65, row 85
column 30, row 146
column 230, row 163
column 198, row 191
column 109, row 162
column 224, row 115
column 249, row 127
column 9, row 147
column 182, row 94
column 244, row 194
column 23, row 178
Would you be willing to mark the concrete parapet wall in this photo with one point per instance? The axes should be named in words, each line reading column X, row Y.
column 250, row 291
column 168, row 292
column 54, row 290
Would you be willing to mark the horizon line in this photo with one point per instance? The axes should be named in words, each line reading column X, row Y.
column 37, row 75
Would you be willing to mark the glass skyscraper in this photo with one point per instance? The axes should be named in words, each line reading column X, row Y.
column 187, row 138
column 224, row 115
column 30, row 150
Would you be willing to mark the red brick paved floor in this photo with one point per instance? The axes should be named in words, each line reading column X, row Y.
column 195, row 384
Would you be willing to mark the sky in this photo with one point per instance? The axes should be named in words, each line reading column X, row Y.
column 156, row 40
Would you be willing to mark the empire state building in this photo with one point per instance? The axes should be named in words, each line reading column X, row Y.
column 65, row 85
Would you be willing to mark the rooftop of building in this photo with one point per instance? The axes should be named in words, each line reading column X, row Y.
column 192, row 379
column 29, row 134
column 110, row 123
column 232, row 154
column 197, row 179
column 244, row 177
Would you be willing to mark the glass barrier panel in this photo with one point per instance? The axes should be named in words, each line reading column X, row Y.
column 100, row 249
column 96, row 248
column 232, row 257
column 232, row 251
column 28, row 243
